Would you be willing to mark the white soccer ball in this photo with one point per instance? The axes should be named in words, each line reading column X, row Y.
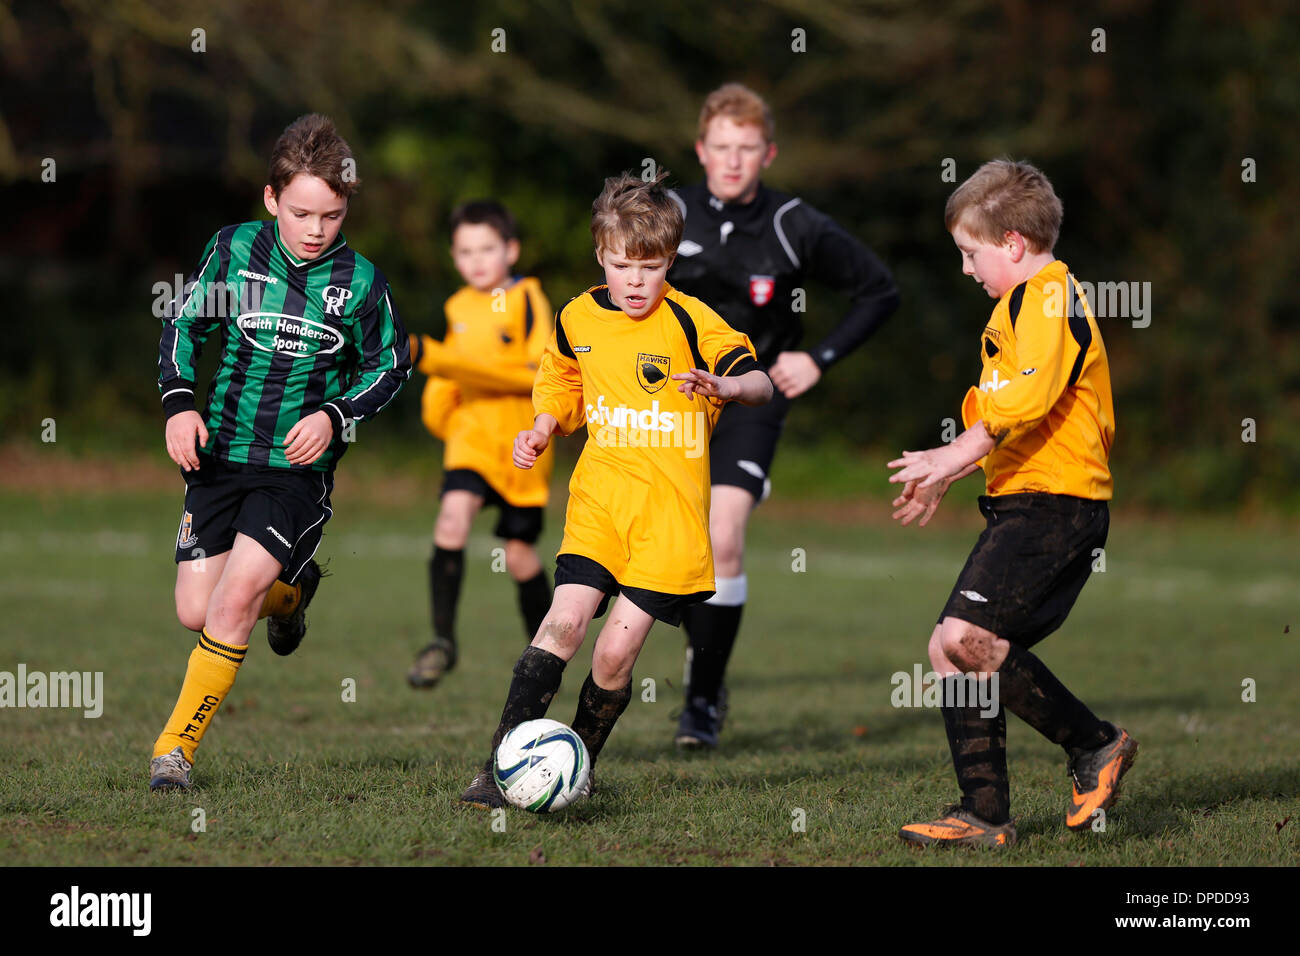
column 542, row 766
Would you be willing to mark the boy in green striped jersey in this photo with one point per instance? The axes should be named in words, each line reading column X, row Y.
column 310, row 344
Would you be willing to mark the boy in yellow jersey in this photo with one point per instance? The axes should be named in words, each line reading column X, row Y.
column 637, row 524
column 477, row 398
column 1041, row 422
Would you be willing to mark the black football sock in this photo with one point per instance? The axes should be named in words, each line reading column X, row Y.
column 534, row 602
column 537, row 677
column 979, row 754
column 598, row 709
column 1032, row 692
column 712, row 630
column 446, row 571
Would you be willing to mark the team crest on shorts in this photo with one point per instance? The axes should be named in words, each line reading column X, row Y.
column 651, row 371
column 761, row 289
column 186, row 538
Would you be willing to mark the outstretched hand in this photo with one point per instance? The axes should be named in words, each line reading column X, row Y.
column 699, row 382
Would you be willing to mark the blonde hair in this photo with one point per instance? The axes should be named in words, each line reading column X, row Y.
column 1007, row 196
column 741, row 105
column 640, row 216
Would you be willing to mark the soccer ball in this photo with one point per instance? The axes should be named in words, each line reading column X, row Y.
column 542, row 766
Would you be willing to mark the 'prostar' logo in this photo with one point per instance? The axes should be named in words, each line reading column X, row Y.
column 288, row 334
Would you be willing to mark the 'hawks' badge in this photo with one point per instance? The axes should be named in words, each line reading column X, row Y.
column 761, row 289
column 186, row 538
column 651, row 371
column 992, row 342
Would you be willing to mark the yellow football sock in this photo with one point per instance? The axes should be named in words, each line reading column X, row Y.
column 208, row 679
column 281, row 600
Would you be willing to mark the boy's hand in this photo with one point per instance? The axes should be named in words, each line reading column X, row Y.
column 928, row 468
column 529, row 443
column 308, row 439
column 919, row 502
column 698, row 381
column 181, row 429
column 794, row 373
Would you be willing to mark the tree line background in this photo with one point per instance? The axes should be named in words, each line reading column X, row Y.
column 156, row 144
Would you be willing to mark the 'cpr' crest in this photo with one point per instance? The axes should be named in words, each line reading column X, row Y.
column 651, row 371
column 334, row 297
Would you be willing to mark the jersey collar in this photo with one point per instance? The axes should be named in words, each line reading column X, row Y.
column 600, row 295
column 743, row 214
column 339, row 242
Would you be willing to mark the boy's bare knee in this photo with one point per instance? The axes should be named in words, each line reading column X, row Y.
column 190, row 613
column 563, row 629
column 451, row 529
column 614, row 666
column 521, row 560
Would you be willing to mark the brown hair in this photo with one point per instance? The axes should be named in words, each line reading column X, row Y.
column 742, row 105
column 311, row 145
column 638, row 215
column 485, row 212
column 1007, row 196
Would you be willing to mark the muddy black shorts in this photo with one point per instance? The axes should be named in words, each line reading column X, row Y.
column 513, row 524
column 744, row 444
column 282, row 509
column 1029, row 564
column 575, row 569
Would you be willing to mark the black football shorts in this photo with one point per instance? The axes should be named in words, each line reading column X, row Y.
column 576, row 569
column 282, row 509
column 1029, row 564
column 744, row 444
column 513, row 524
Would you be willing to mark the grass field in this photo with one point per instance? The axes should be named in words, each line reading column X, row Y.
column 292, row 774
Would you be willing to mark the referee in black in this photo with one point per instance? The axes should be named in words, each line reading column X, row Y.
column 747, row 251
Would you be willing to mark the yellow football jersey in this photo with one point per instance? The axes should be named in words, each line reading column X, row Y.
column 477, row 398
column 639, row 496
column 1046, row 383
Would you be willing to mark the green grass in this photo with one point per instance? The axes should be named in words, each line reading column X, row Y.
column 290, row 774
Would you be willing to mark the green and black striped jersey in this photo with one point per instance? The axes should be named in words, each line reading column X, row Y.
column 296, row 337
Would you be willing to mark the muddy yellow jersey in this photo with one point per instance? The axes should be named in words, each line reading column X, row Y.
column 478, row 397
column 1045, row 383
column 639, row 496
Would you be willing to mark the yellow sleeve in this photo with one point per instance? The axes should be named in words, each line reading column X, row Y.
column 557, row 389
column 438, row 401
column 1045, row 354
column 509, row 377
column 724, row 350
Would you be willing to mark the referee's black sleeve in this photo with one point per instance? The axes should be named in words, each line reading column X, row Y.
column 845, row 264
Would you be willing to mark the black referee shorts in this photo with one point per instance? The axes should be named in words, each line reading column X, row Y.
column 1029, row 564
column 576, row 569
column 282, row 509
column 513, row 523
column 744, row 444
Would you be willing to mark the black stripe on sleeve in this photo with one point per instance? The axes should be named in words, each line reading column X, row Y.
column 562, row 339
column 723, row 365
column 528, row 315
column 692, row 335
column 1081, row 331
column 746, row 363
column 1013, row 305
